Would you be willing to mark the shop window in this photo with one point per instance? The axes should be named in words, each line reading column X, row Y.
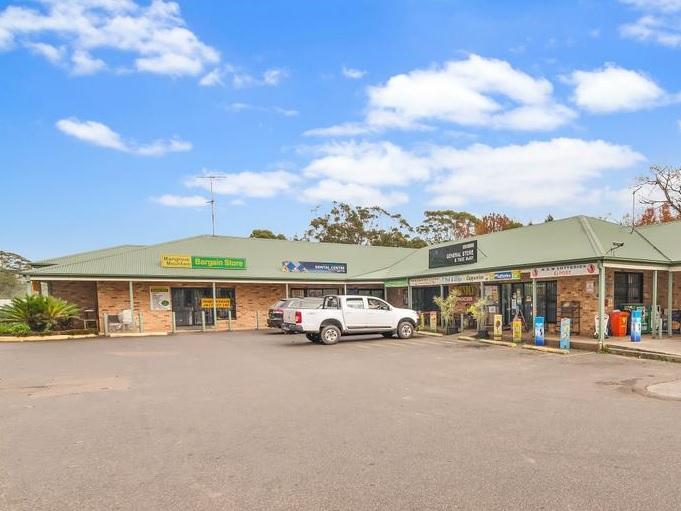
column 227, row 292
column 312, row 292
column 628, row 288
column 377, row 292
column 422, row 298
column 547, row 300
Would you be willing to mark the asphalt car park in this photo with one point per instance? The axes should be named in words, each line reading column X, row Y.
column 263, row 420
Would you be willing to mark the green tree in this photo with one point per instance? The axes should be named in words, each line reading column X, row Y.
column 266, row 234
column 445, row 225
column 495, row 222
column 361, row 225
column 549, row 218
column 10, row 285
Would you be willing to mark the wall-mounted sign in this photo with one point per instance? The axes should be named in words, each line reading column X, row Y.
column 396, row 283
column 453, row 255
column 160, row 298
column 565, row 270
column 313, row 267
column 464, row 279
column 220, row 303
column 202, row 262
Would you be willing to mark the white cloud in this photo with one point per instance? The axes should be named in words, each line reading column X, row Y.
column 612, row 89
column 53, row 54
column 240, row 79
column 353, row 73
column 101, row 135
column 550, row 173
column 246, row 184
column 360, row 195
column 659, row 24
column 364, row 163
column 241, row 107
column 476, row 92
column 154, row 35
column 181, row 201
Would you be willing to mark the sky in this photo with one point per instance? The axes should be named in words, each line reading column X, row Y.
column 112, row 111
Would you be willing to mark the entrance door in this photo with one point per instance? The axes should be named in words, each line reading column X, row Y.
column 187, row 306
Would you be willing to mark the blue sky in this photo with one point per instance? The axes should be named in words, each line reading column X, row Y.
column 112, row 108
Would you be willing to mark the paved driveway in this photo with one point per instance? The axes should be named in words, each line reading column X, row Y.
column 268, row 421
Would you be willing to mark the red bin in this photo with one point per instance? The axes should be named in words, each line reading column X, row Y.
column 618, row 323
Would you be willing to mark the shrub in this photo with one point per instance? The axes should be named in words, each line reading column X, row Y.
column 14, row 329
column 40, row 313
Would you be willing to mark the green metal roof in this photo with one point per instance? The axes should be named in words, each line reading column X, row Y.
column 569, row 240
column 85, row 256
column 263, row 260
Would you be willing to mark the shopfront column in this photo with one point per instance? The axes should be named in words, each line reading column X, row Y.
column 215, row 308
column 653, row 313
column 670, row 301
column 601, row 305
column 534, row 299
column 132, row 300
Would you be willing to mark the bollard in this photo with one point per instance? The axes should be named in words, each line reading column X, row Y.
column 141, row 325
column 106, row 325
column 173, row 327
column 203, row 321
column 229, row 319
column 257, row 320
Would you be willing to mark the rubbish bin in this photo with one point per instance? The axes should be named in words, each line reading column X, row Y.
column 618, row 323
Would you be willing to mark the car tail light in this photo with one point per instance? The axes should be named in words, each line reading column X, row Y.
column 299, row 317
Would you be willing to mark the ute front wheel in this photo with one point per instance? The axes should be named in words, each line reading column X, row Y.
column 330, row 334
column 405, row 330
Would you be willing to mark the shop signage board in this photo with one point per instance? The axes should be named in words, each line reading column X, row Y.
column 565, row 334
column 313, row 267
column 464, row 279
column 397, row 283
column 636, row 320
column 220, row 303
column 498, row 322
column 539, row 330
column 564, row 270
column 202, row 262
column 160, row 298
column 453, row 255
column 517, row 330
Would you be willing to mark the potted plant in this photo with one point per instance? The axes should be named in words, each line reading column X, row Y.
column 479, row 311
column 447, row 308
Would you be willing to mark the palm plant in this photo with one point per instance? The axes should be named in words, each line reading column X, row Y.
column 39, row 312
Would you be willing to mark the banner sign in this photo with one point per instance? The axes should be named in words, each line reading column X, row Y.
column 160, row 298
column 566, row 270
column 565, row 334
column 202, row 262
column 396, row 283
column 464, row 279
column 539, row 330
column 517, row 330
column 313, row 267
column 220, row 303
column 453, row 255
column 497, row 327
column 636, row 320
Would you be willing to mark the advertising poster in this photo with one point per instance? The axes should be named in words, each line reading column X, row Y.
column 220, row 303
column 539, row 331
column 160, row 298
column 636, row 326
column 497, row 327
column 517, row 330
column 565, row 334
column 432, row 320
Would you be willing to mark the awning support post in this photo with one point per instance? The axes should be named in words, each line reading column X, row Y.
column 601, row 305
column 653, row 312
column 287, row 290
column 409, row 296
column 132, row 300
column 670, row 302
column 215, row 308
column 534, row 299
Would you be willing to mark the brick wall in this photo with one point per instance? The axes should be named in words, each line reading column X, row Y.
column 82, row 294
column 113, row 297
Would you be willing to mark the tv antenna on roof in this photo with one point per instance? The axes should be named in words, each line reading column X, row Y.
column 212, row 179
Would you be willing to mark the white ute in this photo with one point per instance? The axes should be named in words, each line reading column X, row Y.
column 346, row 315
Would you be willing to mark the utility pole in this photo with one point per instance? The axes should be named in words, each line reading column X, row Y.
column 212, row 198
column 633, row 206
